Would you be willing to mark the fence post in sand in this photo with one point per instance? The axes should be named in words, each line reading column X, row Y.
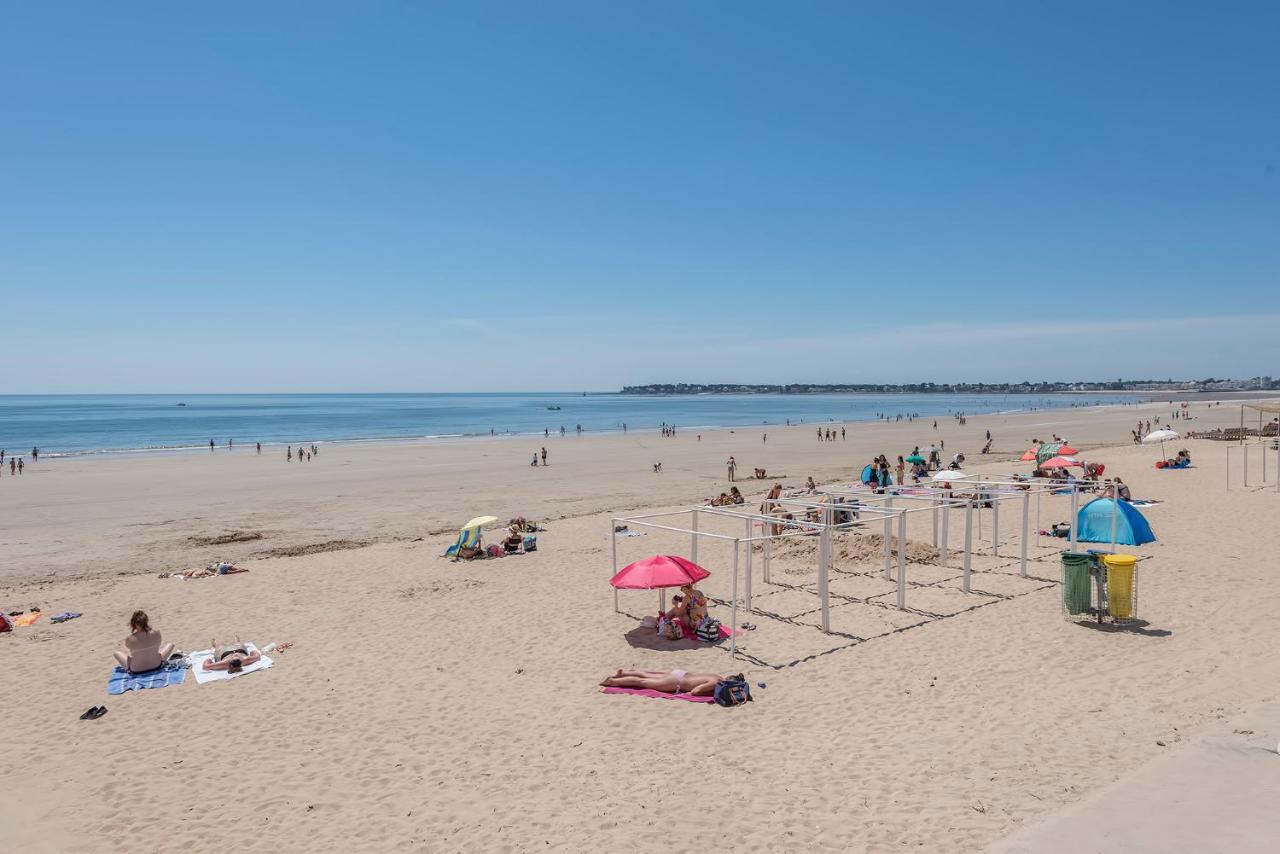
column 902, row 560
column 1075, row 513
column 1246, row 464
column 768, row 548
column 1039, row 491
column 942, row 543
column 750, row 548
column 968, row 542
column 613, row 541
column 995, row 524
column 1115, row 511
column 824, row 560
column 1022, row 548
column 935, row 526
column 733, row 638
column 693, row 538
column 888, row 548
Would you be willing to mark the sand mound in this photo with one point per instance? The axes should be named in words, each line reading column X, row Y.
column 224, row 539
column 313, row 548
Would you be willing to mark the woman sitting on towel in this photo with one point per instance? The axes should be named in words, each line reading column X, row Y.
column 231, row 657
column 143, row 649
column 677, row 681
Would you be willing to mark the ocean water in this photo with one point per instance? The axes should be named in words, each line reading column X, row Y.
column 78, row 424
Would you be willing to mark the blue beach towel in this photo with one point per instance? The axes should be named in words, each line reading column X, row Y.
column 122, row 680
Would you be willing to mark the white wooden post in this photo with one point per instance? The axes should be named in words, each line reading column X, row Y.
column 902, row 560
column 1075, row 512
column 1115, row 512
column 733, row 619
column 995, row 524
column 750, row 548
column 888, row 548
column 768, row 549
column 1022, row 548
column 943, row 543
column 613, row 541
column 935, row 526
column 968, row 542
column 824, row 562
column 693, row 538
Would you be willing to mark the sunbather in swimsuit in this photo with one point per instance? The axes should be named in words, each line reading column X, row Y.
column 677, row 681
column 231, row 657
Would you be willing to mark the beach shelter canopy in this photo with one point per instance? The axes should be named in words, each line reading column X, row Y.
column 478, row 522
column 659, row 571
column 915, row 458
column 1053, row 449
column 1159, row 436
column 950, row 474
column 1093, row 523
column 1029, row 455
column 1060, row 463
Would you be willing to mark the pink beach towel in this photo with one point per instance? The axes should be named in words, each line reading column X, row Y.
column 660, row 695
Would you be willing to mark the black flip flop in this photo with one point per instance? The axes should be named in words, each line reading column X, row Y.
column 88, row 715
column 97, row 713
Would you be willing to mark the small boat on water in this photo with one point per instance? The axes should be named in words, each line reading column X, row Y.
column 179, row 403
column 555, row 408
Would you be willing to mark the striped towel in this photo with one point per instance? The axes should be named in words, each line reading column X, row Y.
column 23, row 620
column 122, row 680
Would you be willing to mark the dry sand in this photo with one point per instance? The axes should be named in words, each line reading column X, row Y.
column 431, row 705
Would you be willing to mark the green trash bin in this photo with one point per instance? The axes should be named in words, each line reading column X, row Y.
column 1076, row 589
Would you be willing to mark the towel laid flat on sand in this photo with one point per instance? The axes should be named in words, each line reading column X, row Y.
column 28, row 619
column 122, row 680
column 202, row 676
column 659, row 695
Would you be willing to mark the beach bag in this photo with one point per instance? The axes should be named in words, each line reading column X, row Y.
column 530, row 544
column 733, row 691
column 709, row 630
column 5, row 625
column 673, row 631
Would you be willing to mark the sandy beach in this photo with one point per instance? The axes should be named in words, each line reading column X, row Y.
column 432, row 705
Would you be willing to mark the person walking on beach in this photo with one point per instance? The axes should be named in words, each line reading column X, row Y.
column 841, row 434
column 288, row 454
column 733, row 468
column 544, row 456
column 35, row 454
column 20, row 465
column 259, row 447
column 13, row 466
column 210, row 444
column 764, row 438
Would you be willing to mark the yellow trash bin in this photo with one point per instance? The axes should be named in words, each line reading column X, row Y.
column 1121, row 570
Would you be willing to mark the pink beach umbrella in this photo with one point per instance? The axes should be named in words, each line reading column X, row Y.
column 658, row 571
column 1060, row 463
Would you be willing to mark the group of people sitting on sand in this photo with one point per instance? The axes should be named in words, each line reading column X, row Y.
column 1181, row 461
column 144, row 650
column 725, row 499
column 687, row 613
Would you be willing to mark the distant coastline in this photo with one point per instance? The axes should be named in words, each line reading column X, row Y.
column 1131, row 386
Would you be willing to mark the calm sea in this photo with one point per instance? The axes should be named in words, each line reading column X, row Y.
column 77, row 424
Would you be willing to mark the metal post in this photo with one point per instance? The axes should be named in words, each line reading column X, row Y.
column 1022, row 547
column 902, row 560
column 747, row 575
column 1246, row 465
column 613, row 538
column 1075, row 512
column 995, row 525
column 693, row 538
column 935, row 526
column 888, row 548
column 1039, row 492
column 824, row 560
column 968, row 542
column 733, row 619
column 943, row 543
column 768, row 549
column 1115, row 512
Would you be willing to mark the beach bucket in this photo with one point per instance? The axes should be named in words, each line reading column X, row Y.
column 1076, row 591
column 1121, row 585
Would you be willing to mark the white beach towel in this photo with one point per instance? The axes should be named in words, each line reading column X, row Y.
column 202, row 676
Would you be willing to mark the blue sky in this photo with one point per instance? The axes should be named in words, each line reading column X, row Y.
column 436, row 197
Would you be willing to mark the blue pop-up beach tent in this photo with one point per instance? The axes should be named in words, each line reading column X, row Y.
column 1093, row 524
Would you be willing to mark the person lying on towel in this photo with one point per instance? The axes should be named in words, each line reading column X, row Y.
column 675, row 682
column 232, row 656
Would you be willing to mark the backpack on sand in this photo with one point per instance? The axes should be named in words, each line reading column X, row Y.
column 733, row 691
